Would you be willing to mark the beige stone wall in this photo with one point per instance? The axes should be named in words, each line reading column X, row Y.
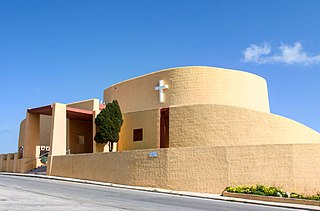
column 10, row 162
column 203, row 169
column 58, row 137
column 32, row 136
column 45, row 131
column 17, row 166
column 27, row 164
column 147, row 120
column 191, row 85
column 4, row 165
column 218, row 125
column 3, row 162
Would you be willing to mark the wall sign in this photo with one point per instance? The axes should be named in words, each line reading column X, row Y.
column 153, row 154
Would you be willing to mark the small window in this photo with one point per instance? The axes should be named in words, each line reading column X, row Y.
column 137, row 134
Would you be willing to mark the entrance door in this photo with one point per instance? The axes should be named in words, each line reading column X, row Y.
column 164, row 128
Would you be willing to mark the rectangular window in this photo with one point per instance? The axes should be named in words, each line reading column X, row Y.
column 137, row 134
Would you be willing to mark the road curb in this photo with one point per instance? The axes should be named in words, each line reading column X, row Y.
column 178, row 193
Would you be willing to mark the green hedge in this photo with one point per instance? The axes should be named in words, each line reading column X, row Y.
column 263, row 190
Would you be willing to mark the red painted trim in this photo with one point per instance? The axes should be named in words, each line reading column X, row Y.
column 72, row 113
column 80, row 114
column 78, row 110
column 101, row 106
column 47, row 110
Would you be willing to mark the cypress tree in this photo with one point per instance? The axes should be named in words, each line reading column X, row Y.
column 109, row 122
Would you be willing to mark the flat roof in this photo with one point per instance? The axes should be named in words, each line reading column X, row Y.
column 72, row 113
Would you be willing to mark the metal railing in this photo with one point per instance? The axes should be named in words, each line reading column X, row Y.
column 68, row 152
column 36, row 158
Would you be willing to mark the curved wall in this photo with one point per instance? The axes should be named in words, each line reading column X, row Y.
column 191, row 85
column 22, row 135
column 44, row 133
column 219, row 125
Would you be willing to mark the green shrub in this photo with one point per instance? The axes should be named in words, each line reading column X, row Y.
column 44, row 159
column 263, row 190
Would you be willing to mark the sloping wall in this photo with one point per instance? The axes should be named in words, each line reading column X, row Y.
column 203, row 169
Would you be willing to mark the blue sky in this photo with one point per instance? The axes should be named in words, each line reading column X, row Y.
column 85, row 46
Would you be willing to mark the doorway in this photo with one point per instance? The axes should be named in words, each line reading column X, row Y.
column 80, row 136
column 164, row 128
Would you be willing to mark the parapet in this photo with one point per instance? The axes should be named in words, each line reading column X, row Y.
column 189, row 86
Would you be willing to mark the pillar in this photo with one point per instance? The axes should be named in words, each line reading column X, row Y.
column 4, row 162
column 1, row 162
column 16, row 162
column 94, row 129
column 32, row 140
column 96, row 111
column 9, row 162
column 58, row 137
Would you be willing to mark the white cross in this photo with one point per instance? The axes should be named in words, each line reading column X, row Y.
column 160, row 88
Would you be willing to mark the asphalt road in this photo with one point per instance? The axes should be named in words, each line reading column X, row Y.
column 25, row 193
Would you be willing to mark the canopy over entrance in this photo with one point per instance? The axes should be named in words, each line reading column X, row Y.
column 79, row 127
column 72, row 113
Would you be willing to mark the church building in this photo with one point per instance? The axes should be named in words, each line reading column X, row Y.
column 189, row 128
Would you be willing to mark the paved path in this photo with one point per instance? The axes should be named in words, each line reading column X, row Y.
column 25, row 193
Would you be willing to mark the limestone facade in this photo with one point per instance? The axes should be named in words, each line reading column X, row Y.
column 213, row 129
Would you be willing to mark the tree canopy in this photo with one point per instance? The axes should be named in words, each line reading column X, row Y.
column 109, row 122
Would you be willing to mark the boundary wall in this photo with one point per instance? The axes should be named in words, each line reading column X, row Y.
column 11, row 162
column 294, row 167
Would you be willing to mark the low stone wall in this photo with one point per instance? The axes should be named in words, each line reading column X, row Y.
column 3, row 162
column 13, row 163
column 10, row 161
column 294, row 167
